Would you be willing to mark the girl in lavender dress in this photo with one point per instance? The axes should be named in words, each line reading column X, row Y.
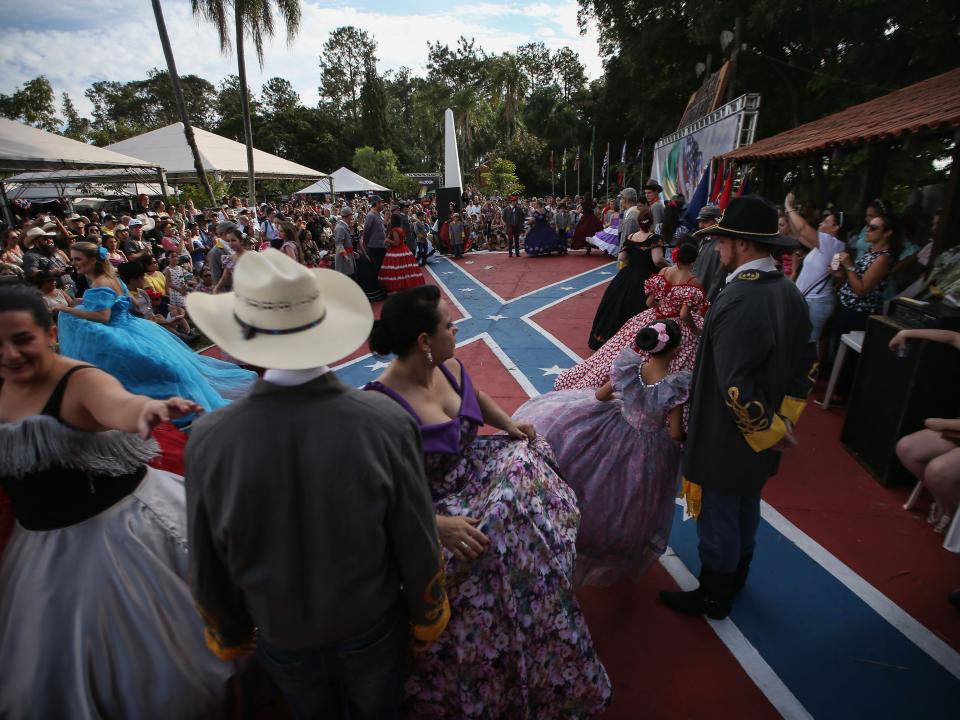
column 517, row 645
column 619, row 448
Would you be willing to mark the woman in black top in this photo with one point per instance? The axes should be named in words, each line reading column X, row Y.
column 641, row 255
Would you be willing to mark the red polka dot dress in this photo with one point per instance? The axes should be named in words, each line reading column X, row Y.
column 399, row 270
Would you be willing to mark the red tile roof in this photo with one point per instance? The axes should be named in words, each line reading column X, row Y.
column 932, row 104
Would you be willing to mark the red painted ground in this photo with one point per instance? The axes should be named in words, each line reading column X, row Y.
column 570, row 321
column 827, row 494
column 510, row 277
column 664, row 665
column 489, row 375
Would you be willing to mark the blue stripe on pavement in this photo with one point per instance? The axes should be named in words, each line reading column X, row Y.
column 835, row 653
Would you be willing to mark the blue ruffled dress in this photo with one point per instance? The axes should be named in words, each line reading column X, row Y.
column 144, row 357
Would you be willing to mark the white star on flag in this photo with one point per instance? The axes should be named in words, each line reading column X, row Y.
column 468, row 262
column 496, row 317
column 606, row 273
column 555, row 370
column 568, row 287
column 377, row 365
column 467, row 290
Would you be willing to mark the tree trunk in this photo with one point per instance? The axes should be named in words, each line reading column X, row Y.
column 178, row 99
column 245, row 106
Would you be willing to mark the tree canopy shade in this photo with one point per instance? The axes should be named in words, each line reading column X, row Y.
column 221, row 156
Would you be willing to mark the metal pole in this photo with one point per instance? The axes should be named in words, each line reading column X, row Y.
column 7, row 212
column 162, row 174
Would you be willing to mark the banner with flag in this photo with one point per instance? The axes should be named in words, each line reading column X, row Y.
column 606, row 162
column 696, row 202
column 576, row 160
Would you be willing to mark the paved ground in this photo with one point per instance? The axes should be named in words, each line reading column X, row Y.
column 845, row 614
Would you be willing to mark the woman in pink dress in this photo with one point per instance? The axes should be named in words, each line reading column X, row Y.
column 673, row 294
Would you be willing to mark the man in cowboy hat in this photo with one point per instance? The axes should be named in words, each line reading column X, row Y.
column 319, row 542
column 753, row 371
column 651, row 191
column 706, row 267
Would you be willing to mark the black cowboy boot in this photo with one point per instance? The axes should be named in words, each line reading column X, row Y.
column 740, row 574
column 713, row 598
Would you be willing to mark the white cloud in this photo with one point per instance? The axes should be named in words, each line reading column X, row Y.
column 118, row 41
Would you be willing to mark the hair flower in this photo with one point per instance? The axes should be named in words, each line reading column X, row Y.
column 102, row 252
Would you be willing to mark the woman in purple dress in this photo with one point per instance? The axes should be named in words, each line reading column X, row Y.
column 541, row 238
column 619, row 448
column 517, row 645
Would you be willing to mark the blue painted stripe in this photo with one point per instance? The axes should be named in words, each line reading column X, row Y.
column 529, row 349
column 836, row 654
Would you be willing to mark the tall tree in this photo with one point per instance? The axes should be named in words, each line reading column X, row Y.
column 509, row 84
column 373, row 109
column 33, row 104
column 346, row 55
column 178, row 99
column 277, row 95
column 76, row 127
column 253, row 18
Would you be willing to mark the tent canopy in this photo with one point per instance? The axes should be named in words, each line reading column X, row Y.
column 930, row 105
column 345, row 180
column 27, row 148
column 221, row 156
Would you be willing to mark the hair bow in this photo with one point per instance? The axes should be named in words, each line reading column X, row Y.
column 663, row 337
column 102, row 252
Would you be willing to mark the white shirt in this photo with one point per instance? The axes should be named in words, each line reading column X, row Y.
column 816, row 267
column 764, row 264
column 289, row 378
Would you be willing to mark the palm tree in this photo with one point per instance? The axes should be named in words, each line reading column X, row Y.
column 254, row 18
column 178, row 99
column 508, row 85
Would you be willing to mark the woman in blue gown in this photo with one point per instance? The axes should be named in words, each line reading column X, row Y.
column 147, row 359
column 541, row 238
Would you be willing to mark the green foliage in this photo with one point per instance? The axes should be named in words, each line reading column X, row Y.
column 373, row 109
column 381, row 167
column 76, row 127
column 499, row 176
column 33, row 104
column 346, row 55
column 196, row 192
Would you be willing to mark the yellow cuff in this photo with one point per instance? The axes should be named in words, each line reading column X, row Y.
column 223, row 652
column 791, row 408
column 766, row 439
column 694, row 496
column 429, row 633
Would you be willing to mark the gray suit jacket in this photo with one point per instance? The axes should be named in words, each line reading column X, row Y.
column 310, row 516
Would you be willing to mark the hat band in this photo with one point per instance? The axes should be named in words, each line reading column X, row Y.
column 251, row 331
column 720, row 228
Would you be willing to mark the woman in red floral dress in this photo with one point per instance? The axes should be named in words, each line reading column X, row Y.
column 400, row 269
column 674, row 293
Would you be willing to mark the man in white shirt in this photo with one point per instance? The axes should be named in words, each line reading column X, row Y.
column 814, row 279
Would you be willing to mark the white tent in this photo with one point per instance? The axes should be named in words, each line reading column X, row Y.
column 221, row 156
column 27, row 148
column 344, row 180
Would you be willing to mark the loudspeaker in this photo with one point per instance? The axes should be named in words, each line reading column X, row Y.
column 445, row 196
column 892, row 396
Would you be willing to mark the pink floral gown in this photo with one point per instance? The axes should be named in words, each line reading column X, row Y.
column 517, row 645
column 595, row 370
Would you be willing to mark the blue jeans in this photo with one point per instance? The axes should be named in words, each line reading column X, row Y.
column 727, row 528
column 360, row 678
column 821, row 308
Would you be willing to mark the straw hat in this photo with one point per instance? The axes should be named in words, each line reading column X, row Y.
column 282, row 315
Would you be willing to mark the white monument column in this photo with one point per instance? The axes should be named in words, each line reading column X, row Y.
column 451, row 164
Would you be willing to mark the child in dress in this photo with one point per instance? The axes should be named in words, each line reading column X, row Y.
column 619, row 448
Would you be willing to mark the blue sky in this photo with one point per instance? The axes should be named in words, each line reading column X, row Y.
column 77, row 42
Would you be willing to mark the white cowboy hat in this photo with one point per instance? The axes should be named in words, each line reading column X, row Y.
column 282, row 315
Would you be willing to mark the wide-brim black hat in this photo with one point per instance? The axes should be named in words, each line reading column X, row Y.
column 750, row 217
column 653, row 185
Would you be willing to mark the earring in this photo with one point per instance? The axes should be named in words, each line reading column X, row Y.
column 429, row 356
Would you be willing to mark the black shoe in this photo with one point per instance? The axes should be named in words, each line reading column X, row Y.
column 713, row 598
column 740, row 574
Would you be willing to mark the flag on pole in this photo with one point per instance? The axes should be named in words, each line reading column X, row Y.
column 623, row 154
column 717, row 182
column 639, row 155
column 727, row 188
column 576, row 160
column 563, row 162
column 744, row 188
column 622, row 170
column 552, row 163
column 606, row 162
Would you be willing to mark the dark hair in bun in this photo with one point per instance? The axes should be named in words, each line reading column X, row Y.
column 404, row 316
column 650, row 338
column 687, row 253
